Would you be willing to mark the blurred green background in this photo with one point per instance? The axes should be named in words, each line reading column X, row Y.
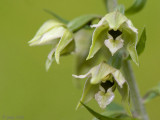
column 28, row 92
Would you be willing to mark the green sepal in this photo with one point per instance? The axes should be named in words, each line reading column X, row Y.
column 115, row 20
column 124, row 91
column 99, row 35
column 56, row 16
column 130, row 36
column 66, row 51
column 137, row 6
column 65, row 40
column 48, row 33
column 142, row 41
column 153, row 93
column 81, row 21
column 88, row 92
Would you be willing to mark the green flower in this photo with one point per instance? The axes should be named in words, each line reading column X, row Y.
column 56, row 34
column 102, row 80
column 115, row 31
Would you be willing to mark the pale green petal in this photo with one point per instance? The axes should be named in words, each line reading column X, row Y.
column 50, row 59
column 52, row 35
column 119, row 78
column 114, row 45
column 88, row 92
column 99, row 35
column 130, row 36
column 47, row 26
column 103, row 98
column 133, row 52
column 100, row 72
column 48, row 63
column 65, row 40
column 124, row 91
column 115, row 20
column 82, row 76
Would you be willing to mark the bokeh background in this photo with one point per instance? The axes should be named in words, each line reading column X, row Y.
column 28, row 92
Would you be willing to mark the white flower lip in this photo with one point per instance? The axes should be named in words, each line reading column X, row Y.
column 104, row 99
column 114, row 45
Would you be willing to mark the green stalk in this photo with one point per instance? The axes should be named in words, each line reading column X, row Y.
column 134, row 92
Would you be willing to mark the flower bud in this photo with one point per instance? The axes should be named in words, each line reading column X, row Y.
column 57, row 34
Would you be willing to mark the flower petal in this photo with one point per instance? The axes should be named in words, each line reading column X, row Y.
column 124, row 91
column 130, row 36
column 47, row 26
column 119, row 78
column 98, row 37
column 65, row 40
column 88, row 92
column 82, row 76
column 51, row 36
column 113, row 45
column 115, row 20
column 100, row 72
column 50, row 59
column 104, row 99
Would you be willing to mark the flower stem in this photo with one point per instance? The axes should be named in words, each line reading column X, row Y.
column 134, row 92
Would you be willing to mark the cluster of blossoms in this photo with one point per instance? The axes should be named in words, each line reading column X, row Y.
column 114, row 31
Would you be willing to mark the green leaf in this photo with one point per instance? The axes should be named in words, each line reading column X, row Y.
column 102, row 117
column 80, row 22
column 153, row 93
column 117, row 58
column 115, row 110
column 97, row 115
column 56, row 16
column 65, row 40
column 137, row 6
column 142, row 41
column 88, row 92
column 115, row 107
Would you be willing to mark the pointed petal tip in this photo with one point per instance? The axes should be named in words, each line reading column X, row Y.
column 137, row 63
column 89, row 57
column 93, row 81
column 80, row 76
column 57, row 57
column 75, row 76
column 57, row 60
column 78, row 106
